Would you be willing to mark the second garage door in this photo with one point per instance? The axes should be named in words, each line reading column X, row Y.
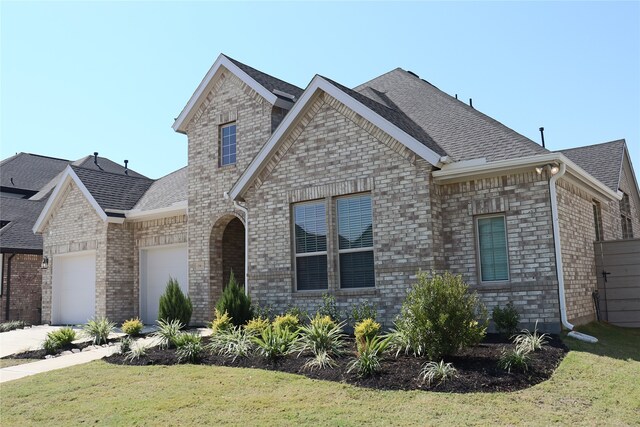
column 73, row 288
column 157, row 265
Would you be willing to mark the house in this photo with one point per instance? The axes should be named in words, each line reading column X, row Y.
column 26, row 181
column 341, row 191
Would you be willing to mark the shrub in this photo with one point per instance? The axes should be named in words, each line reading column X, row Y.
column 256, row 325
column 264, row 311
column 438, row 316
column 287, row 321
column 174, row 305
column 275, row 342
column 11, row 325
column 132, row 327
column 167, row 333
column 506, row 319
column 221, row 321
column 364, row 310
column 233, row 342
column 365, row 330
column 329, row 307
column 125, row 344
column 296, row 311
column 324, row 338
column 235, row 302
column 189, row 347
column 368, row 360
column 528, row 342
column 517, row 359
column 58, row 339
column 136, row 352
column 98, row 330
column 440, row 372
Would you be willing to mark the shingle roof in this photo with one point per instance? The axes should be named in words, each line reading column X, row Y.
column 113, row 190
column 165, row 191
column 22, row 215
column 26, row 171
column 462, row 131
column 393, row 115
column 269, row 82
column 106, row 165
column 602, row 161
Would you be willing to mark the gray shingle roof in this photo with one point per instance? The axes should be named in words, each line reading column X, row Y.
column 29, row 171
column 463, row 132
column 165, row 191
column 602, row 161
column 269, row 82
column 106, row 165
column 113, row 190
column 22, row 215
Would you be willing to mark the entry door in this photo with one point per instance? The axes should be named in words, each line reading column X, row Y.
column 157, row 265
column 73, row 288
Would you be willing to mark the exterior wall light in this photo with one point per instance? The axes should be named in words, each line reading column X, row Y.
column 45, row 263
column 553, row 168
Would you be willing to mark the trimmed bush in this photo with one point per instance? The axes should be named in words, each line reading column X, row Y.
column 256, row 325
column 235, row 302
column 132, row 327
column 221, row 321
column 506, row 319
column 174, row 305
column 438, row 316
column 290, row 322
column 365, row 330
column 98, row 330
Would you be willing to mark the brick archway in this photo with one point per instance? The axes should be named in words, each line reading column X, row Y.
column 226, row 253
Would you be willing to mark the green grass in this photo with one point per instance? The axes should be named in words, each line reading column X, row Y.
column 594, row 385
column 5, row 363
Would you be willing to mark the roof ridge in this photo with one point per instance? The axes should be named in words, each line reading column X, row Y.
column 46, row 157
column 110, row 173
column 259, row 71
column 622, row 140
column 365, row 84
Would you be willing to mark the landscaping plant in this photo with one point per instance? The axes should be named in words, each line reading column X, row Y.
column 167, row 333
column 437, row 372
column 98, row 330
column 136, row 352
column 235, row 302
column 11, row 325
column 233, row 342
column 296, row 311
column 438, row 316
column 365, row 330
column 530, row 342
column 364, row 310
column 506, row 319
column 58, row 339
column 132, row 327
column 368, row 360
column 517, row 359
column 221, row 321
column 125, row 344
column 256, row 325
column 291, row 322
column 324, row 338
column 275, row 342
column 189, row 347
column 329, row 307
column 174, row 305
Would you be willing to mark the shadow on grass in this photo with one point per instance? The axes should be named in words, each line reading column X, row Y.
column 613, row 341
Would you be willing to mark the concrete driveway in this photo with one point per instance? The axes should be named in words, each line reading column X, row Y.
column 20, row 340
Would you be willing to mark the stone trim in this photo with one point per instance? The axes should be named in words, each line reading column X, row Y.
column 335, row 189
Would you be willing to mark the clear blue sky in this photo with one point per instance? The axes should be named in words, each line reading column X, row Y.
column 80, row 77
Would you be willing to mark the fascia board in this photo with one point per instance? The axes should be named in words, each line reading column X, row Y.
column 175, row 209
column 206, row 83
column 67, row 177
column 318, row 83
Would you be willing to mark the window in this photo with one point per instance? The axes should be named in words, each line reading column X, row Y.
column 597, row 218
column 355, row 242
column 625, row 217
column 228, row 144
column 492, row 248
column 310, row 246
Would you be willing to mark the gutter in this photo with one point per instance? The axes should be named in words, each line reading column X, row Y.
column 558, row 252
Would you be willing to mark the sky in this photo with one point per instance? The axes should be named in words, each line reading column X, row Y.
column 78, row 77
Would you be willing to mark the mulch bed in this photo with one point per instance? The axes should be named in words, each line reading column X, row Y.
column 41, row 354
column 477, row 368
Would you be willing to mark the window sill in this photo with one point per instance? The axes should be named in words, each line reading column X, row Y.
column 356, row 292
column 491, row 286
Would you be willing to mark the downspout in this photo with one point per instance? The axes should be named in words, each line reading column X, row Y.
column 246, row 241
column 558, row 253
column 8, row 287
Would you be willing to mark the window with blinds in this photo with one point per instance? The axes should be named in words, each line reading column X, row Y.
column 355, row 242
column 492, row 248
column 625, row 217
column 310, row 235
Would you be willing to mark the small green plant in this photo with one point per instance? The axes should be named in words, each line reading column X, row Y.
column 264, row 311
column 287, row 321
column 256, row 325
column 530, row 342
column 132, row 327
column 401, row 340
column 329, row 307
column 321, row 360
column 506, row 319
column 11, row 325
column 125, row 344
column 167, row 333
column 517, row 359
column 233, row 342
column 368, row 360
column 221, row 321
column 174, row 305
column 364, row 310
column 189, row 347
column 98, row 330
column 365, row 330
column 296, row 311
column 324, row 338
column 235, row 302
column 136, row 352
column 437, row 372
column 275, row 342
column 57, row 339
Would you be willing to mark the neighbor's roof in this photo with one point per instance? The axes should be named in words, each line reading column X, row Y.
column 164, row 192
column 463, row 132
column 22, row 215
column 26, row 171
column 113, row 190
column 602, row 161
column 269, row 82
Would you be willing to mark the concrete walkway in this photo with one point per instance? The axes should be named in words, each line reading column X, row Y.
column 20, row 340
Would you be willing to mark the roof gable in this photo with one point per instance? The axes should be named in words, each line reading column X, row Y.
column 30, row 172
column 21, row 215
column 602, row 161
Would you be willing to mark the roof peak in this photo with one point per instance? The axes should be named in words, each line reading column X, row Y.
column 91, row 170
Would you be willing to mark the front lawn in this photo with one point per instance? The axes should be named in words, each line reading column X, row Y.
column 595, row 384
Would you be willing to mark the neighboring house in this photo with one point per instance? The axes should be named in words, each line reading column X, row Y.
column 26, row 182
column 341, row 191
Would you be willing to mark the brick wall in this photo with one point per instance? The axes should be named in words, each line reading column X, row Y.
column 25, row 288
column 121, row 303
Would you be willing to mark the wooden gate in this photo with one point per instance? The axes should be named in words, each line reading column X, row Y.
column 618, row 271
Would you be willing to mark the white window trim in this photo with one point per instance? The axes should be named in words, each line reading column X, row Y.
column 221, row 127
column 478, row 255
column 296, row 255
column 352, row 250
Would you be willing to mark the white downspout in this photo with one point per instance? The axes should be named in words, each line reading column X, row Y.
column 559, row 267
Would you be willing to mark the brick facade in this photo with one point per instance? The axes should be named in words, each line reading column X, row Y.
column 25, row 288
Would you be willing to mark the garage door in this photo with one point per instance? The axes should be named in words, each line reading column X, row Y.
column 73, row 288
column 157, row 265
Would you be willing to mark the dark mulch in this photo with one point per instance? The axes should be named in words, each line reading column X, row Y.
column 477, row 368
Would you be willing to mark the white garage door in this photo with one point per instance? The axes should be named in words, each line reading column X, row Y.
column 157, row 265
column 74, row 288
